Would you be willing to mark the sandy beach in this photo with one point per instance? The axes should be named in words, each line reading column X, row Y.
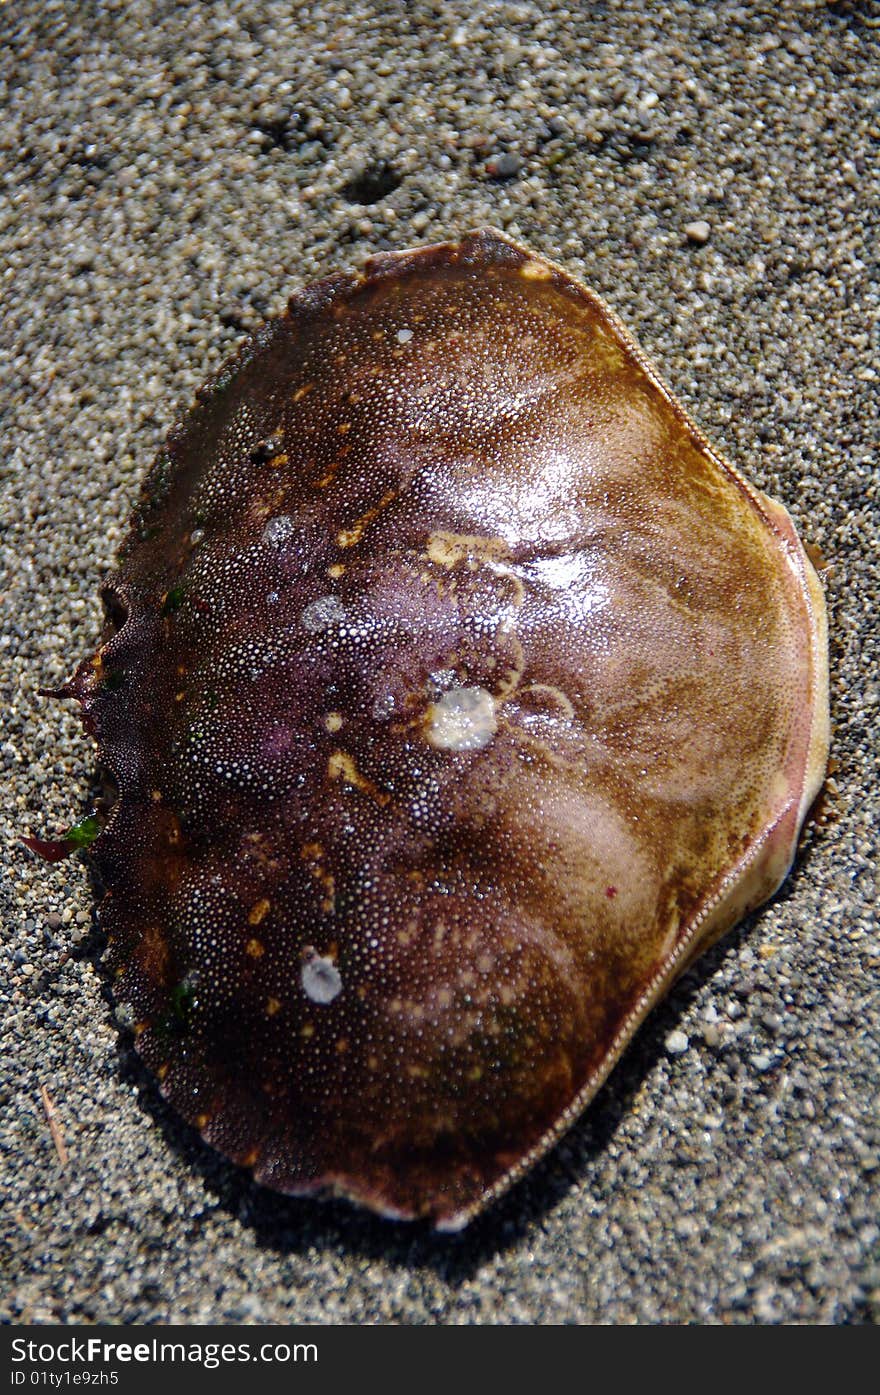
column 170, row 173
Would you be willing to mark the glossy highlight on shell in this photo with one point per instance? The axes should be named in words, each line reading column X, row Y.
column 458, row 694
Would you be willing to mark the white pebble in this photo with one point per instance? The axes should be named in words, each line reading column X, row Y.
column 698, row 232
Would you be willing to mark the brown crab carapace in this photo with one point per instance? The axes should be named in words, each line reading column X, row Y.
column 458, row 693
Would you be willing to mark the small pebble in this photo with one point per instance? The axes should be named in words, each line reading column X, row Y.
column 698, row 232
column 503, row 167
column 677, row 1042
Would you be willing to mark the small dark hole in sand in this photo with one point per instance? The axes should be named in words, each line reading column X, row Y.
column 373, row 183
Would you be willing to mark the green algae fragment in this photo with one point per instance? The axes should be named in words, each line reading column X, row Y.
column 177, row 1021
column 173, row 600
column 183, row 1000
column 84, row 833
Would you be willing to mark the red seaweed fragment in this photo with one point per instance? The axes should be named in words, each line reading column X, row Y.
column 74, row 839
column 458, row 694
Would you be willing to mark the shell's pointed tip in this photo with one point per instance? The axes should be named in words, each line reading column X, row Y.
column 68, row 689
column 80, row 686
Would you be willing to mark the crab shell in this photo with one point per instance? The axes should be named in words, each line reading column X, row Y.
column 458, row 694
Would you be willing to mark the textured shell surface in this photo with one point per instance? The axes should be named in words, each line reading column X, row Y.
column 457, row 694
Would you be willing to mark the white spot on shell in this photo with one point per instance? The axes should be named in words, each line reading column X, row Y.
column 279, row 529
column 462, row 720
column 441, row 680
column 404, row 336
column 320, row 979
column 383, row 707
column 322, row 613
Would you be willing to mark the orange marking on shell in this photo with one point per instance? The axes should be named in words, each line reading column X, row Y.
column 349, row 537
column 341, row 767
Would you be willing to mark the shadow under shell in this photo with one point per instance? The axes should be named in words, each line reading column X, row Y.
column 458, row 694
